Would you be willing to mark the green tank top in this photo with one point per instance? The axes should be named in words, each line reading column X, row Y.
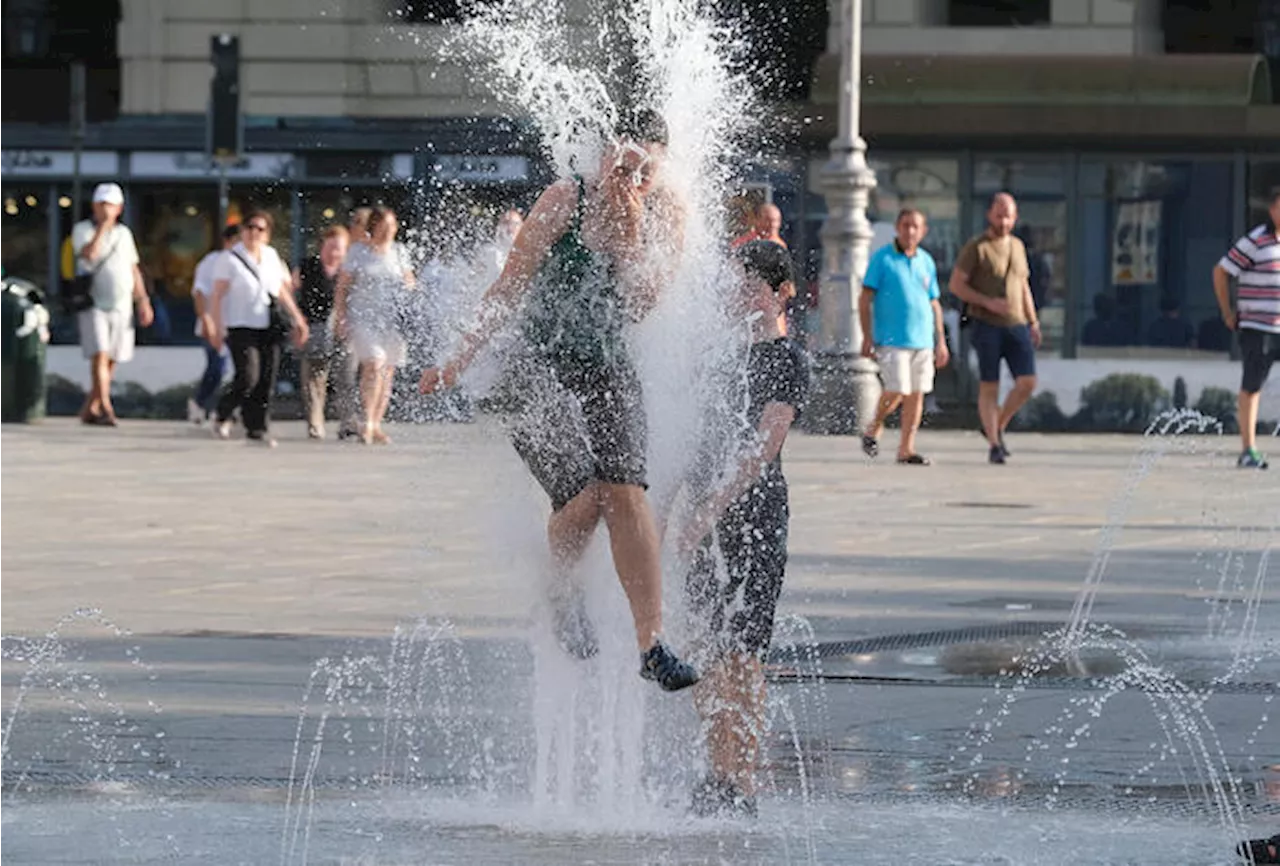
column 574, row 315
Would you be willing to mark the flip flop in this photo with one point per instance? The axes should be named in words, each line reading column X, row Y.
column 915, row 460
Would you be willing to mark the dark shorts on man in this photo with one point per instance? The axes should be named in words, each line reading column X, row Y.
column 1011, row 343
column 735, row 607
column 1258, row 351
column 576, row 423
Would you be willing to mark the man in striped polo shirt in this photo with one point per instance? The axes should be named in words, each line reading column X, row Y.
column 1254, row 262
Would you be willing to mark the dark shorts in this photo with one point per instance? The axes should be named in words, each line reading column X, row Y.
column 1258, row 351
column 1012, row 344
column 574, row 424
column 734, row 606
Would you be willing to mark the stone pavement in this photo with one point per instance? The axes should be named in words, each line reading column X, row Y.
column 239, row 572
column 169, row 532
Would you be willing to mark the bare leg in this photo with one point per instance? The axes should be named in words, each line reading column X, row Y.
column 103, row 369
column 384, row 394
column 912, row 410
column 1247, row 412
column 1023, row 388
column 989, row 410
column 888, row 402
column 730, row 700
column 370, row 379
column 633, row 536
column 570, row 529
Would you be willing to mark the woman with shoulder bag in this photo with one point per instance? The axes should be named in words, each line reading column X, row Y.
column 253, row 305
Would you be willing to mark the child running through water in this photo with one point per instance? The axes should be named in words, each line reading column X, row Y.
column 743, row 515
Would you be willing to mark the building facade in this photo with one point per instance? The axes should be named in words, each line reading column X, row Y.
column 1136, row 157
column 1140, row 137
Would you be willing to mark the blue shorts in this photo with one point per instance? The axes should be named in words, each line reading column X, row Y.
column 1013, row 344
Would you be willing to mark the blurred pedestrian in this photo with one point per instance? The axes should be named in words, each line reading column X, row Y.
column 1254, row 262
column 105, row 250
column 345, row 366
column 248, row 284
column 202, row 405
column 992, row 277
column 905, row 334
column 366, row 314
column 314, row 285
column 766, row 225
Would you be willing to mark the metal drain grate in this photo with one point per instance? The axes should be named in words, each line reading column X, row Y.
column 912, row 640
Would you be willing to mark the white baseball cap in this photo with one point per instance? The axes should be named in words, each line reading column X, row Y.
column 109, row 193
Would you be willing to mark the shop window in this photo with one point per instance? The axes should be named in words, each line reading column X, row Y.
column 931, row 185
column 1264, row 180
column 1152, row 234
column 26, row 233
column 431, row 11
column 998, row 13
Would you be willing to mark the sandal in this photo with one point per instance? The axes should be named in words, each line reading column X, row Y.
column 380, row 438
column 915, row 460
column 1260, row 850
column 870, row 446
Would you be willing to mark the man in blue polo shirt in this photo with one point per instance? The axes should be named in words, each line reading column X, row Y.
column 902, row 328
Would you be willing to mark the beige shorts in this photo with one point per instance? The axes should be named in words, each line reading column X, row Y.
column 906, row 371
column 109, row 331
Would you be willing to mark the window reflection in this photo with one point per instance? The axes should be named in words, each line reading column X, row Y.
column 26, row 233
column 1152, row 234
column 932, row 185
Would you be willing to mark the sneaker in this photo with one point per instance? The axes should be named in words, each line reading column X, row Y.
column 1260, row 850
column 1252, row 459
column 573, row 628
column 720, row 797
column 1004, row 449
column 194, row 413
column 222, row 430
column 996, row 455
column 870, row 446
column 663, row 667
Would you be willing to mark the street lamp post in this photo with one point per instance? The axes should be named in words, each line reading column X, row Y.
column 846, row 387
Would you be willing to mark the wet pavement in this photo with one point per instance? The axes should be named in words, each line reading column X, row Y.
column 918, row 713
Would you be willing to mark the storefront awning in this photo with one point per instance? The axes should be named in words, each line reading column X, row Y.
column 1181, row 80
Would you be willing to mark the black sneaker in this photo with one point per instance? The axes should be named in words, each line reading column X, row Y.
column 663, row 667
column 1260, row 850
column 870, row 446
column 714, row 797
column 996, row 455
column 1252, row 459
column 572, row 626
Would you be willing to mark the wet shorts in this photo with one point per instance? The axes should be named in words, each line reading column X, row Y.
column 573, row 424
column 1258, row 351
column 1012, row 344
column 734, row 605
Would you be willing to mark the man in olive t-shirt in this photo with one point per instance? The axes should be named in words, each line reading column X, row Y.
column 992, row 277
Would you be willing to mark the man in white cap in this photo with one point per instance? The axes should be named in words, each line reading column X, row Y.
column 105, row 249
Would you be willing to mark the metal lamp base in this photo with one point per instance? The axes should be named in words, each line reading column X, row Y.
column 843, row 396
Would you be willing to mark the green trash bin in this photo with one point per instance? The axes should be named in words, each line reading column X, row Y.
column 24, row 326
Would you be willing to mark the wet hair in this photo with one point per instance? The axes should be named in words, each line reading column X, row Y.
column 766, row 261
column 377, row 216
column 231, row 232
column 644, row 126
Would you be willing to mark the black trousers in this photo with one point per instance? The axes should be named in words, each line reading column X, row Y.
column 257, row 361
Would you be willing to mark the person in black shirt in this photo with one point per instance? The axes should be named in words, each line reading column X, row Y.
column 313, row 285
column 1171, row 330
column 739, row 506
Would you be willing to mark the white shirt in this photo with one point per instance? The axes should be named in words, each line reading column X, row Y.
column 113, row 269
column 202, row 282
column 377, row 279
column 248, row 297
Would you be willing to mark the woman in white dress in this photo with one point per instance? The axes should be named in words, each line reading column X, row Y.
column 246, row 281
column 365, row 302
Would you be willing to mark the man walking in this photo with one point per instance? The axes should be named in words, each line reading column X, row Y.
column 1254, row 262
column 992, row 277
column 106, row 250
column 905, row 334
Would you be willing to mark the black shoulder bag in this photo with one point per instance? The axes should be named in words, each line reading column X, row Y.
column 278, row 324
column 77, row 292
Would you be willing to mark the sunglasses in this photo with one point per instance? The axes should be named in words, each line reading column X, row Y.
column 255, row 227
